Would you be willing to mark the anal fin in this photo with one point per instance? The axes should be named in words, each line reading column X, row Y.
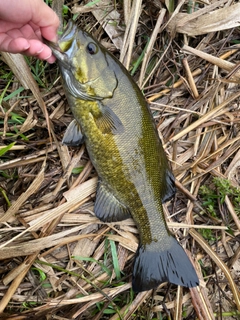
column 107, row 207
column 73, row 136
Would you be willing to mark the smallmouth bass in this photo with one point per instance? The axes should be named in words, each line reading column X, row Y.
column 114, row 121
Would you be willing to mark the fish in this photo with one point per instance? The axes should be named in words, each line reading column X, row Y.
column 113, row 119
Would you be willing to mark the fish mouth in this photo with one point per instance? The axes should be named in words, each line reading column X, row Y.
column 59, row 54
column 63, row 51
column 64, row 44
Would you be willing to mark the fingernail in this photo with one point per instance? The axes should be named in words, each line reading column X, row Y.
column 48, row 57
column 51, row 59
column 26, row 47
column 40, row 50
column 54, row 39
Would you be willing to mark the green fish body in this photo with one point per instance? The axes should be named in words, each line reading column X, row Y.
column 113, row 119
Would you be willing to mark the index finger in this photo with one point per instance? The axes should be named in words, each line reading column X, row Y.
column 46, row 19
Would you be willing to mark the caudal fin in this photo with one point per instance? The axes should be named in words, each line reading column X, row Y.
column 152, row 267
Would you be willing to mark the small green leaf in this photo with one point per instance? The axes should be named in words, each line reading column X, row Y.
column 13, row 94
column 105, row 269
column 4, row 194
column 109, row 311
column 77, row 170
column 16, row 118
column 92, row 3
column 65, row 9
column 115, row 259
column 140, row 58
column 42, row 275
column 6, row 149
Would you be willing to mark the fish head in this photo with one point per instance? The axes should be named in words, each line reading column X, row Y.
column 84, row 65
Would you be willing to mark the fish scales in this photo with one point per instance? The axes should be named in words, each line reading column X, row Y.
column 137, row 187
column 114, row 121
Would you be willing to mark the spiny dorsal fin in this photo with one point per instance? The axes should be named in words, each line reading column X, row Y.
column 107, row 207
column 73, row 136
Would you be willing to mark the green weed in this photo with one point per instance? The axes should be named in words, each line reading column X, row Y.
column 4, row 194
column 115, row 259
column 212, row 196
column 13, row 94
column 6, row 149
column 228, row 314
column 77, row 170
column 140, row 59
column 38, row 70
column 89, row 259
column 221, row 189
column 29, row 305
column 41, row 274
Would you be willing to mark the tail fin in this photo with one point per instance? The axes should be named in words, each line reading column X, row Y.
column 152, row 267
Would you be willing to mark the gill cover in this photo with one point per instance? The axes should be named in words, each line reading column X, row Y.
column 84, row 65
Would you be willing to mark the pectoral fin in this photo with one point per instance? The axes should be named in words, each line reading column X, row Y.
column 107, row 207
column 73, row 136
column 109, row 122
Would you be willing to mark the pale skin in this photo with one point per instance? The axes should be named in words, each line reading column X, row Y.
column 24, row 24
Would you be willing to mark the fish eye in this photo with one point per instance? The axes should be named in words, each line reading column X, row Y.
column 92, row 48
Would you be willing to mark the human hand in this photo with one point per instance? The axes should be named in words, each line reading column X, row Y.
column 24, row 24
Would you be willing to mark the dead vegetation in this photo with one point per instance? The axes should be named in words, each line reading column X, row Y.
column 60, row 262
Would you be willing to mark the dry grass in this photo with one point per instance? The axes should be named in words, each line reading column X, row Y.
column 60, row 262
